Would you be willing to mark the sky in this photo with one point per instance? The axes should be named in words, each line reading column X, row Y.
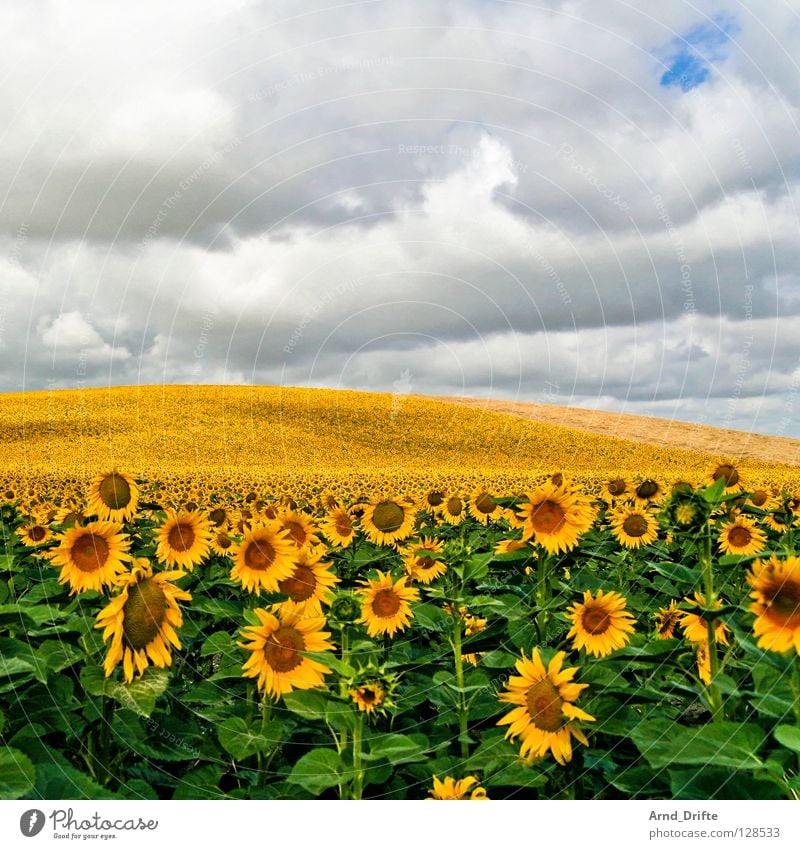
column 590, row 203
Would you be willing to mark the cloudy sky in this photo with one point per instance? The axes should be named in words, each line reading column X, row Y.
column 590, row 202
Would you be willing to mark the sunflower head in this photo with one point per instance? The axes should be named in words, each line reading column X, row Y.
column 727, row 471
column 142, row 620
column 776, row 603
column 453, row 789
column 742, row 536
column 667, row 620
column 388, row 520
column 385, row 605
column 113, row 496
column 91, row 556
column 373, row 690
column 601, row 623
column 686, row 511
column 277, row 647
column 544, row 714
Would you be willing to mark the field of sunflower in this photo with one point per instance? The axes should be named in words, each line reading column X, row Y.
column 638, row 637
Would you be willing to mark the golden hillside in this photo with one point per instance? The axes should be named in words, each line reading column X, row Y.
column 301, row 441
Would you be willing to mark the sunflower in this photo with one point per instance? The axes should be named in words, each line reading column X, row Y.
column 310, row 584
column 600, row 624
column 184, row 540
column 34, row 533
column 450, row 788
column 419, row 563
column 300, row 528
column 142, row 619
column 472, row 625
column 222, row 544
column 545, row 711
column 483, row 507
column 388, row 520
column 91, row 557
column 667, row 620
column 508, row 546
column 634, row 526
column 556, row 517
column 616, row 488
column 339, row 527
column 742, row 536
column 113, row 496
column 385, row 605
column 368, row 697
column 695, row 628
column 276, row 649
column 219, row 517
column 763, row 499
column 69, row 515
column 727, row 470
column 433, row 500
column 263, row 558
column 649, row 491
column 776, row 603
column 703, row 662
column 454, row 510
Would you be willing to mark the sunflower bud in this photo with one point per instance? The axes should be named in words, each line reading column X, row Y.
column 345, row 609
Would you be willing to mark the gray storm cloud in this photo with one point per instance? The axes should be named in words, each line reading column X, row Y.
column 466, row 197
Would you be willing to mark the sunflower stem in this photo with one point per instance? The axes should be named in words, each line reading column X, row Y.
column 105, row 739
column 461, row 708
column 345, row 657
column 712, row 690
column 358, row 773
column 265, row 758
column 542, row 594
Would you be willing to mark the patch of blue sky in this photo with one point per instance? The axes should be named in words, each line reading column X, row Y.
column 689, row 57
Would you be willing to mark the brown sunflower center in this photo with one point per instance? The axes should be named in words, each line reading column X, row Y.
column 368, row 695
column 181, row 537
column 454, row 506
column 435, row 498
column 283, row 649
column 297, row 532
column 617, row 486
column 484, row 503
column 596, row 620
column 386, row 603
column 388, row 517
column 544, row 706
column 37, row 533
column 784, row 605
column 115, row 492
column 259, row 555
column 343, row 525
column 548, row 517
column 223, row 541
column 635, row 526
column 728, row 472
column 217, row 516
column 143, row 613
column 301, row 585
column 646, row 489
column 739, row 536
column 424, row 563
column 90, row 552
column 759, row 497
